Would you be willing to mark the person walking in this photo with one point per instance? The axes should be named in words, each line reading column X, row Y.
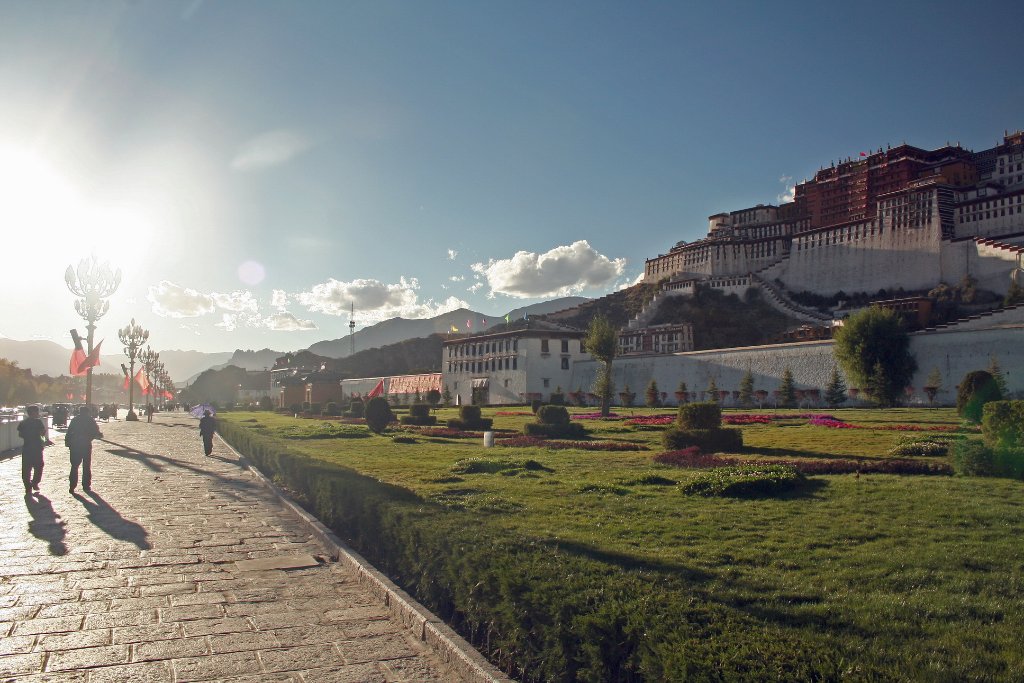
column 207, row 428
column 149, row 412
column 82, row 430
column 34, row 439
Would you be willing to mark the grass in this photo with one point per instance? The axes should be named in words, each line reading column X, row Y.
column 600, row 568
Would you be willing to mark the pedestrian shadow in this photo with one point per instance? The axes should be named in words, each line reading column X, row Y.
column 46, row 525
column 112, row 523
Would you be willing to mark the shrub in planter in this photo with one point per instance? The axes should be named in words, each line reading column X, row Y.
column 1002, row 424
column 295, row 408
column 707, row 415
column 469, row 418
column 976, row 389
column 721, row 440
column 378, row 414
column 332, row 409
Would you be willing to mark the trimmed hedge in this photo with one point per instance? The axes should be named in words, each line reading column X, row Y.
column 974, row 458
column 725, row 439
column 1002, row 424
column 419, row 414
column 706, row 415
column 744, row 480
column 570, row 430
column 553, row 415
column 975, row 390
column 483, row 424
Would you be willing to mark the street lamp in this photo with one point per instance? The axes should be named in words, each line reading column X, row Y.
column 133, row 337
column 93, row 282
column 149, row 359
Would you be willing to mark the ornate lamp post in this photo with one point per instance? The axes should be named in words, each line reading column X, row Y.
column 93, row 282
column 133, row 337
column 149, row 359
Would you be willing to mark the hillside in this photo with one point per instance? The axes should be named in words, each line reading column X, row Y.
column 619, row 307
column 725, row 320
column 409, row 357
column 394, row 330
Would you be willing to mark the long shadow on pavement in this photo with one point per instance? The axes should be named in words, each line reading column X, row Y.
column 45, row 524
column 110, row 521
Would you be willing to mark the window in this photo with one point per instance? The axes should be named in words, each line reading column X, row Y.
column 565, row 346
column 515, row 362
column 547, row 382
column 565, row 363
column 544, row 346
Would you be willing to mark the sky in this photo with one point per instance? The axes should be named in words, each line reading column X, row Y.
column 255, row 168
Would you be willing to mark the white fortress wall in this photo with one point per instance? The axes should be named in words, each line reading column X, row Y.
column 953, row 351
column 863, row 258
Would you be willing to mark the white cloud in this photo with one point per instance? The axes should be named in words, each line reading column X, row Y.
column 374, row 300
column 790, row 192
column 452, row 254
column 228, row 321
column 286, row 322
column 476, row 287
column 457, row 278
column 171, row 301
column 239, row 301
column 269, row 149
column 279, row 298
column 561, row 271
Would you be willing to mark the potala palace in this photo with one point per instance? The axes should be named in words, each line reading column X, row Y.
column 902, row 218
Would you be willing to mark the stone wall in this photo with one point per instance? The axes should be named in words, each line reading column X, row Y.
column 954, row 351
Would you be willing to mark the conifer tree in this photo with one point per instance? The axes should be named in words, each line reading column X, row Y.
column 681, row 392
column 787, row 390
column 652, row 397
column 933, row 385
column 997, row 373
column 747, row 389
column 835, row 392
column 712, row 391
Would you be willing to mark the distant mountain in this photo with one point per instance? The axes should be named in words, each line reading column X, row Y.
column 399, row 329
column 184, row 364
column 246, row 360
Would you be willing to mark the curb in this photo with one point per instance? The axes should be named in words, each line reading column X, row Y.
column 448, row 645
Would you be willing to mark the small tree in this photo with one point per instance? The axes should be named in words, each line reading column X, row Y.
column 602, row 343
column 874, row 350
column 682, row 393
column 997, row 373
column 933, row 385
column 627, row 397
column 652, row 397
column 446, row 396
column 378, row 414
column 433, row 398
column 835, row 392
column 746, row 397
column 1014, row 295
column 787, row 389
column 712, row 390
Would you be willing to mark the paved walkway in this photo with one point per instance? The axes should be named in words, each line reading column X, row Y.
column 152, row 576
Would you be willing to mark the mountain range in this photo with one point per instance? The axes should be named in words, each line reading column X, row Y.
column 45, row 357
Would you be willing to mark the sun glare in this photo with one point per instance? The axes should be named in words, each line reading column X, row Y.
column 43, row 211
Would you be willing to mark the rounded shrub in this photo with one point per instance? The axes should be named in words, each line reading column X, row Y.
column 1002, row 424
column 419, row 410
column 725, row 440
column 975, row 390
column 332, row 409
column 553, row 415
column 706, row 415
column 378, row 414
column 973, row 458
column 469, row 414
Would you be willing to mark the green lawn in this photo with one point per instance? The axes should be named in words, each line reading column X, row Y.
column 592, row 565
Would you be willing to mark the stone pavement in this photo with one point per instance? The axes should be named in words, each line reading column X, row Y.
column 151, row 577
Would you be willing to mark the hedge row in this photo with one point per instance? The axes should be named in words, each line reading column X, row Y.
column 544, row 609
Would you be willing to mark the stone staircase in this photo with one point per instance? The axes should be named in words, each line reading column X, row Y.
column 1009, row 314
column 778, row 300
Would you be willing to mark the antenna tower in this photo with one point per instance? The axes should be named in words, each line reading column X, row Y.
column 352, row 329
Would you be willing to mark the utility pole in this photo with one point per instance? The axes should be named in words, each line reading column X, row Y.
column 352, row 329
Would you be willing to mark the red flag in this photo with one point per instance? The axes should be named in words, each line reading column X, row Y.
column 863, row 154
column 377, row 390
column 77, row 356
column 92, row 360
column 168, row 395
column 140, row 377
column 127, row 377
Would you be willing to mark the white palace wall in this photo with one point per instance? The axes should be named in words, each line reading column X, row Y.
column 953, row 351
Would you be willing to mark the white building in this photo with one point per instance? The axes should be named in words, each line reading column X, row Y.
column 511, row 367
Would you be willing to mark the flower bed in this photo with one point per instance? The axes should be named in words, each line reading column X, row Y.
column 651, row 420
column 535, row 442
column 513, row 413
column 596, row 416
column 747, row 419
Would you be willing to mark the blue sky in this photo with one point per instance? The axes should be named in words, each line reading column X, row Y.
column 254, row 167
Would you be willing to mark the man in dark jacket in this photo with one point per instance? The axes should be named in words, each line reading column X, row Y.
column 33, row 435
column 207, row 428
column 82, row 430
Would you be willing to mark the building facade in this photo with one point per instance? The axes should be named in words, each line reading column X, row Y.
column 511, row 367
